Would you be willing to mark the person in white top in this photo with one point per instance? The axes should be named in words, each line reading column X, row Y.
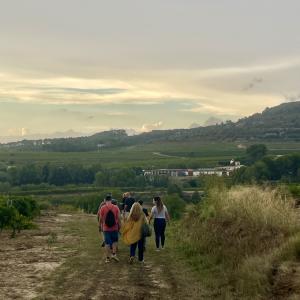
column 159, row 213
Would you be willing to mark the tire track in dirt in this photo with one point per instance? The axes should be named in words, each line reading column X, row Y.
column 79, row 271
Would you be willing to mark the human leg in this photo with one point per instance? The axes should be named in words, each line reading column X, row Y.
column 157, row 232
column 163, row 228
column 141, row 249
column 114, row 238
column 132, row 249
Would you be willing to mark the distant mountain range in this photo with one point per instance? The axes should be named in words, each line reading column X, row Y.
column 39, row 136
column 279, row 123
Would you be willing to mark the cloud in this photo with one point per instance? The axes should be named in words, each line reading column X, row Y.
column 24, row 131
column 212, row 121
column 283, row 64
column 116, row 113
column 17, row 132
column 68, row 90
column 194, row 125
column 150, row 127
column 212, row 109
column 95, row 91
column 253, row 83
column 213, row 91
column 292, row 98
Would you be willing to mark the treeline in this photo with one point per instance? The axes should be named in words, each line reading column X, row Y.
column 75, row 174
column 17, row 213
column 283, row 168
column 174, row 198
column 51, row 174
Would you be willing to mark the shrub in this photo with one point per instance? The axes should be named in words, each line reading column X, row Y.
column 17, row 212
column 235, row 230
column 175, row 206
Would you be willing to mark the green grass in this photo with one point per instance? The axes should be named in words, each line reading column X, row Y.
column 194, row 154
column 239, row 236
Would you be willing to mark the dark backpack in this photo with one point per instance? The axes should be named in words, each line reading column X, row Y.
column 110, row 219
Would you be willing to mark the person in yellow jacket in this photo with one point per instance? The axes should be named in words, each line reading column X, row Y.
column 132, row 232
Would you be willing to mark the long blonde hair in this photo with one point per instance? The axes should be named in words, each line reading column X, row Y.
column 136, row 212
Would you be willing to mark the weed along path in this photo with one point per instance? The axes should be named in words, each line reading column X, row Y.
column 63, row 259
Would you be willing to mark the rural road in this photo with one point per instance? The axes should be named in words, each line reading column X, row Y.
column 63, row 260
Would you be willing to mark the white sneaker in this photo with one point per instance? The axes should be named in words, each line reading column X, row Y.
column 115, row 258
column 157, row 249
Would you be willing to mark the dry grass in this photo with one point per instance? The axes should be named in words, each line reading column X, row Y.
column 240, row 235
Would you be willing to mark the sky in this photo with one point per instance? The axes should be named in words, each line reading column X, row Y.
column 70, row 67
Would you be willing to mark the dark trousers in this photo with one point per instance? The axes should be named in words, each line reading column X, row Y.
column 159, row 229
column 140, row 245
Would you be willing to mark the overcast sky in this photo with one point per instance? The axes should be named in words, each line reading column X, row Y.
column 93, row 65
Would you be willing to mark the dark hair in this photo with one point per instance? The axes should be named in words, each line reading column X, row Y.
column 159, row 204
column 108, row 198
column 141, row 202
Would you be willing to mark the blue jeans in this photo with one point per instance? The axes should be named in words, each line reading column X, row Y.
column 111, row 237
column 140, row 245
column 159, row 229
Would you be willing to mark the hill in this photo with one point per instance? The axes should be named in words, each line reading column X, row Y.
column 279, row 123
column 86, row 143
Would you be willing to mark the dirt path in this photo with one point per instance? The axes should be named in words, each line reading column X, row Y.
column 32, row 255
column 166, row 155
column 64, row 260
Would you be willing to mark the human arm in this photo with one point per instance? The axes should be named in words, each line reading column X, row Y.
column 167, row 215
column 101, row 216
column 151, row 215
column 119, row 220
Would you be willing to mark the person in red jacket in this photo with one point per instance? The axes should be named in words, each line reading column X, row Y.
column 110, row 222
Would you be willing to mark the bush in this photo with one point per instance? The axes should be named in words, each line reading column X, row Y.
column 233, row 232
column 4, row 187
column 17, row 212
column 175, row 206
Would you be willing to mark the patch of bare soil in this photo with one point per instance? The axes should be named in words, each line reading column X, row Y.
column 29, row 257
column 63, row 259
column 86, row 276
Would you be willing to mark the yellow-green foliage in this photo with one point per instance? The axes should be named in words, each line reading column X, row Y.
column 239, row 234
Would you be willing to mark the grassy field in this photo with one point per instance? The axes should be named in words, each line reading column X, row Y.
column 192, row 154
column 245, row 243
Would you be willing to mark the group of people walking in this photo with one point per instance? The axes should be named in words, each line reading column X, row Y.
column 133, row 222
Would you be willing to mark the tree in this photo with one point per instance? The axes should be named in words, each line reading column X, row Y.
column 59, row 176
column 29, row 174
column 196, row 197
column 101, row 179
column 4, row 187
column 13, row 174
column 7, row 215
column 175, row 206
column 174, row 188
column 256, row 152
column 45, row 173
column 3, row 176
